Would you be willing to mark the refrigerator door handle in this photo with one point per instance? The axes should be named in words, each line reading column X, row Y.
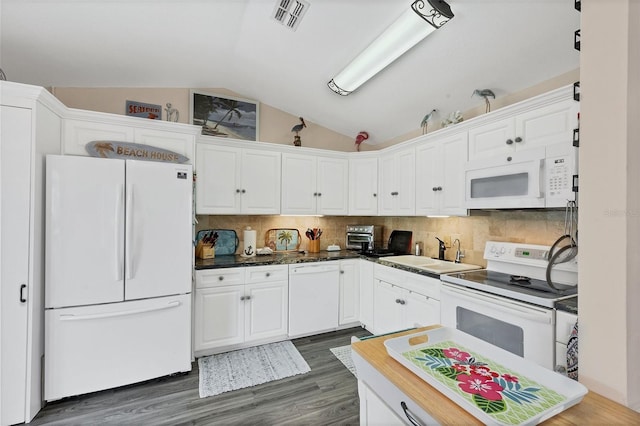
column 129, row 232
column 71, row 317
column 119, row 231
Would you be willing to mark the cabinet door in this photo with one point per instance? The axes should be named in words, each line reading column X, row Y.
column 406, row 183
column 260, row 188
column 547, row 125
column 366, row 294
column 333, row 186
column 266, row 309
column 77, row 133
column 453, row 155
column 219, row 317
column 387, row 308
column 349, row 292
column 387, row 185
column 181, row 143
column 15, row 155
column 363, row 187
column 490, row 140
column 419, row 310
column 218, row 179
column 429, row 178
column 299, row 193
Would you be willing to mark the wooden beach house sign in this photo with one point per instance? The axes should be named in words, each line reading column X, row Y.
column 132, row 151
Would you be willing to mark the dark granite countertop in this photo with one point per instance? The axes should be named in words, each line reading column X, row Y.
column 274, row 259
column 568, row 305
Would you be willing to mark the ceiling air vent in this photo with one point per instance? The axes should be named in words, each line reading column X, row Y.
column 290, row 12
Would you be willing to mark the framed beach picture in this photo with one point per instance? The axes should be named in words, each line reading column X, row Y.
column 224, row 116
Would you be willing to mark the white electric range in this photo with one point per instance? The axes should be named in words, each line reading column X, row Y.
column 510, row 303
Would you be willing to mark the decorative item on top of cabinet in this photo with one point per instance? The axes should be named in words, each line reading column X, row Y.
column 143, row 110
column 425, row 121
column 172, row 113
column 296, row 129
column 361, row 137
column 485, row 93
column 453, row 118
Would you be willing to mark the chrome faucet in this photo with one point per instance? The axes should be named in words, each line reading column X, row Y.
column 459, row 254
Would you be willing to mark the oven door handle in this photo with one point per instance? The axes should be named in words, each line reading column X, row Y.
column 496, row 304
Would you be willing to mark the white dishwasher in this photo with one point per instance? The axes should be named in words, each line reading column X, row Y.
column 313, row 298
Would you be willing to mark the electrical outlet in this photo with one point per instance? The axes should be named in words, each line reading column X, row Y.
column 447, row 241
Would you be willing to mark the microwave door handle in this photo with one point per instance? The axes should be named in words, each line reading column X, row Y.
column 538, row 182
column 498, row 305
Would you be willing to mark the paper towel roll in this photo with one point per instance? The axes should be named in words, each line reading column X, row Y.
column 249, row 242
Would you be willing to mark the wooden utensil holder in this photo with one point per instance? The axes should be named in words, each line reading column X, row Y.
column 314, row 246
column 205, row 251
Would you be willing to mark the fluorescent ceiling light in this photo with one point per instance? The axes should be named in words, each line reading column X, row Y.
column 417, row 22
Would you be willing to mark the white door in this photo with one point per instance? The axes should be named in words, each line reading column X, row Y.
column 14, row 254
column 299, row 193
column 333, row 186
column 429, row 178
column 453, row 158
column 158, row 245
column 261, row 182
column 84, row 231
column 492, row 139
column 547, row 125
column 363, row 186
column 387, row 309
column 266, row 310
column 406, row 175
column 218, row 185
column 420, row 310
column 387, row 185
column 349, row 311
column 219, row 317
column 366, row 293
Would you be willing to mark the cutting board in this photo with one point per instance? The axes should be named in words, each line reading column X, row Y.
column 282, row 239
column 227, row 242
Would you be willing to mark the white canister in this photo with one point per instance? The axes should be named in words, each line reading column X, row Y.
column 249, row 249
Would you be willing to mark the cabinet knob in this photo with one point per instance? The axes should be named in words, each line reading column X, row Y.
column 397, row 300
column 439, row 188
column 247, row 298
column 268, row 274
column 319, row 194
column 243, row 191
column 315, row 194
column 518, row 139
column 375, row 195
column 237, row 191
column 220, row 278
column 509, row 142
column 509, row 158
column 242, row 297
column 341, row 271
column 435, row 188
column 402, row 302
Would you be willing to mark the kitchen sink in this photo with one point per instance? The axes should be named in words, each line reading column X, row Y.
column 428, row 264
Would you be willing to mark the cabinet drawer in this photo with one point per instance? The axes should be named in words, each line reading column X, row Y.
column 219, row 277
column 262, row 274
column 417, row 283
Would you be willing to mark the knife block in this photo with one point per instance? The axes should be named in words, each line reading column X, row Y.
column 205, row 251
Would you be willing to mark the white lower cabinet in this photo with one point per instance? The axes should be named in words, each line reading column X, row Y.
column 349, row 309
column 404, row 300
column 366, row 294
column 239, row 306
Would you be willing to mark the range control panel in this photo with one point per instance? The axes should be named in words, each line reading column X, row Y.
column 515, row 252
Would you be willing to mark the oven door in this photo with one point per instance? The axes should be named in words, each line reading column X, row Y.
column 355, row 239
column 512, row 181
column 523, row 329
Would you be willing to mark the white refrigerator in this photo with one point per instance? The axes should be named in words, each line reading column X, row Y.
column 118, row 273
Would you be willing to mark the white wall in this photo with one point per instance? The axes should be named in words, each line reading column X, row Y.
column 609, row 314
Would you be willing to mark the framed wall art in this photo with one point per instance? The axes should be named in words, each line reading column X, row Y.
column 224, row 116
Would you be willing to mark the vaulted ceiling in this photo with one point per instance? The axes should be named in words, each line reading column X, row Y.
column 504, row 45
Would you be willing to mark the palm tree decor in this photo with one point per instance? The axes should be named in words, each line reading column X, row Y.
column 285, row 237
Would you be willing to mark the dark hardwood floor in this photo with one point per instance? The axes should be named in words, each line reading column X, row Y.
column 327, row 395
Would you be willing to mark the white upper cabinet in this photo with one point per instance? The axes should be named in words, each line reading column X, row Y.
column 546, row 125
column 440, row 176
column 363, row 186
column 86, row 126
column 396, row 180
column 234, row 180
column 314, row 184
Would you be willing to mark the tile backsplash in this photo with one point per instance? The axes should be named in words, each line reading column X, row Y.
column 534, row 227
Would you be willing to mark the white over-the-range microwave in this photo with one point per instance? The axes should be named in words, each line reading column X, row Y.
column 540, row 177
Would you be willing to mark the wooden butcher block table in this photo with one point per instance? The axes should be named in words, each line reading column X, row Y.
column 594, row 409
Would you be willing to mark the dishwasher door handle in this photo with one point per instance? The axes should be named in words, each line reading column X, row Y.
column 300, row 270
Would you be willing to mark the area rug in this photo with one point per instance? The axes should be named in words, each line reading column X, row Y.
column 343, row 353
column 249, row 367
